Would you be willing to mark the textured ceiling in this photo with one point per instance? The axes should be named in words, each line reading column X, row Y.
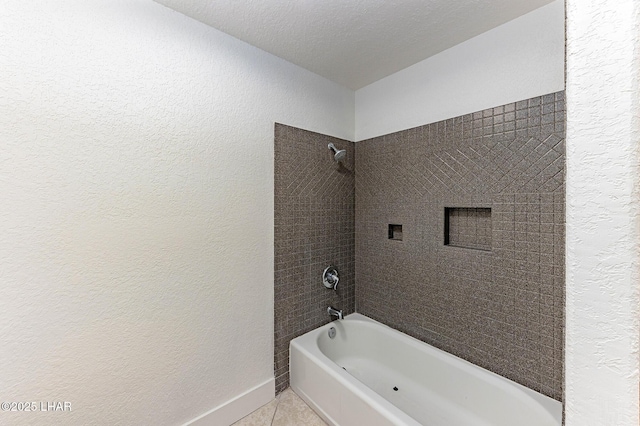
column 354, row 42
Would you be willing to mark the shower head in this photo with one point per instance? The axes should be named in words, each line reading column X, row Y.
column 339, row 154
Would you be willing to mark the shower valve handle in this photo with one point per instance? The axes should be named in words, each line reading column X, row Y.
column 330, row 277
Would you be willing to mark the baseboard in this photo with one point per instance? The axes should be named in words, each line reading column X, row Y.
column 237, row 408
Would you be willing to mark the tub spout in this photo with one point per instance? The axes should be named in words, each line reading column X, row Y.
column 333, row 312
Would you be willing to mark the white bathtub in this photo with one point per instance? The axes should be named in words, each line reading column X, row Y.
column 351, row 380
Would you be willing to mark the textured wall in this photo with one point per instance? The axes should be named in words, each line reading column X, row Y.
column 603, row 208
column 136, row 222
column 517, row 60
column 314, row 228
column 501, row 309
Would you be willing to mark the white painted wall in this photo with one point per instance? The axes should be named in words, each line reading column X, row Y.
column 517, row 60
column 603, row 213
column 136, row 211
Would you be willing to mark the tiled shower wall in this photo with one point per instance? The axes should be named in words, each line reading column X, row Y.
column 501, row 306
column 314, row 228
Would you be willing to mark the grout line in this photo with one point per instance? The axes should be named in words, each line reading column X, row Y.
column 276, row 410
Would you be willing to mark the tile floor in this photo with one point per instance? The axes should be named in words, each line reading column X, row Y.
column 287, row 409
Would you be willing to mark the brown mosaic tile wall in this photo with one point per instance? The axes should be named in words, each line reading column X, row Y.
column 314, row 228
column 501, row 309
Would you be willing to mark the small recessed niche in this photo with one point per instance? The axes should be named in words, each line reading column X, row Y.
column 468, row 227
column 395, row 232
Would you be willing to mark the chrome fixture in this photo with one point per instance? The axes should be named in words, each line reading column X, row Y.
column 339, row 154
column 333, row 312
column 332, row 332
column 330, row 277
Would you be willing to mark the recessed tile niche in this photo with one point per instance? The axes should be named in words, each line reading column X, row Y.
column 395, row 232
column 468, row 227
